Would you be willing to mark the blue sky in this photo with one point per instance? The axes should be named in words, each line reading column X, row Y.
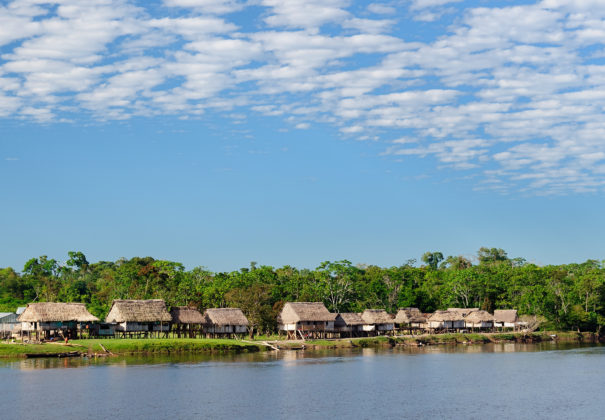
column 219, row 132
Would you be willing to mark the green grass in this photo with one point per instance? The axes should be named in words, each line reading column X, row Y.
column 19, row 350
column 271, row 337
column 350, row 342
column 167, row 345
column 134, row 346
column 198, row 345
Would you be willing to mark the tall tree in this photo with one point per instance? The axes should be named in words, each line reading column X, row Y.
column 432, row 259
column 491, row 255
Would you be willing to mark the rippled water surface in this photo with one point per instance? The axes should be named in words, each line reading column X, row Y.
column 506, row 381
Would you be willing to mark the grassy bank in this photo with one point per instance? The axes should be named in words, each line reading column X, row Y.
column 198, row 345
column 19, row 350
column 132, row 346
column 456, row 338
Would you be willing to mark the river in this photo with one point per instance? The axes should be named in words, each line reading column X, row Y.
column 499, row 381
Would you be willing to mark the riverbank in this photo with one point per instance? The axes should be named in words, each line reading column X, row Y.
column 454, row 338
column 103, row 347
column 108, row 347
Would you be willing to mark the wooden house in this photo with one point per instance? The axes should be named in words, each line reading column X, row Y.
column 410, row 319
column 146, row 318
column 186, row 322
column 102, row 329
column 348, row 324
column 445, row 320
column 55, row 319
column 377, row 322
column 506, row 318
column 225, row 322
column 8, row 324
column 306, row 319
column 482, row 320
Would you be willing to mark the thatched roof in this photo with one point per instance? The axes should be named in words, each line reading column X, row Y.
column 56, row 312
column 462, row 311
column 441, row 316
column 505, row 315
column 409, row 315
column 153, row 310
column 376, row 316
column 348, row 319
column 225, row 316
column 479, row 316
column 186, row 315
column 294, row 312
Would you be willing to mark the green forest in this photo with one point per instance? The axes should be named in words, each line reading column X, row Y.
column 565, row 297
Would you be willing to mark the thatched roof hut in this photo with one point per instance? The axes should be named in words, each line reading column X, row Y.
column 446, row 319
column 186, row 315
column 445, row 316
column 462, row 311
column 508, row 316
column 348, row 319
column 294, row 312
column 377, row 321
column 478, row 317
column 376, row 316
column 56, row 312
column 225, row 316
column 409, row 316
column 141, row 311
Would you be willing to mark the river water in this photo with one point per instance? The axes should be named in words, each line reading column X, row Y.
column 500, row 381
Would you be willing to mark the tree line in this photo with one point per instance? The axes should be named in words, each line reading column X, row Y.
column 570, row 296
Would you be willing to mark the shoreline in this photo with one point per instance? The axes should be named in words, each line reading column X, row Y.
column 125, row 347
column 459, row 338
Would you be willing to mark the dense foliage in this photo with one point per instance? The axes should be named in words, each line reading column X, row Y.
column 568, row 296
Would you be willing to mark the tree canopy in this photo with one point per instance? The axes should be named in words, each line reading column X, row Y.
column 570, row 296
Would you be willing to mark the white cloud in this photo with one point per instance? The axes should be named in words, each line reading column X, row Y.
column 208, row 6
column 515, row 94
column 308, row 14
column 381, row 9
column 423, row 4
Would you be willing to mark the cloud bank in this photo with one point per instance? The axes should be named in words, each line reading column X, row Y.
column 513, row 94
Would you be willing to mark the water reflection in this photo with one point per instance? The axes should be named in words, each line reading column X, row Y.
column 289, row 357
column 464, row 381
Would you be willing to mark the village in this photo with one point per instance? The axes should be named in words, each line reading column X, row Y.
column 51, row 321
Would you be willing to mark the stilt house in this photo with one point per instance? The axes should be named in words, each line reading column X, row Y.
column 186, row 322
column 410, row 319
column 506, row 318
column 225, row 322
column 306, row 319
column 55, row 319
column 102, row 329
column 140, row 317
column 8, row 324
column 445, row 320
column 348, row 324
column 377, row 322
column 482, row 320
